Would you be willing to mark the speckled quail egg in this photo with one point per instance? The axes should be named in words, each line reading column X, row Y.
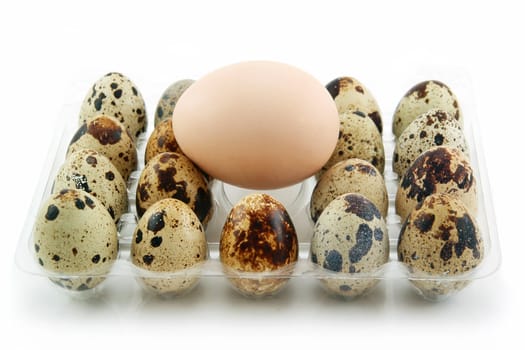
column 350, row 95
column 169, row 238
column 350, row 241
column 169, row 99
column 422, row 97
column 434, row 128
column 439, row 170
column 161, row 140
column 173, row 175
column 75, row 238
column 93, row 173
column 258, row 245
column 115, row 95
column 440, row 239
column 349, row 176
column 358, row 138
column 107, row 136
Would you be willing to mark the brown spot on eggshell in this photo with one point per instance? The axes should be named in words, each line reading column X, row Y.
column 420, row 90
column 435, row 167
column 424, row 222
column 105, row 131
column 258, row 236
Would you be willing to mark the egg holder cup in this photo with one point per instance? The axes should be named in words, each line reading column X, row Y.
column 296, row 200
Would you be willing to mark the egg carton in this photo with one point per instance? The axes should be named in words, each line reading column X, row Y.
column 296, row 200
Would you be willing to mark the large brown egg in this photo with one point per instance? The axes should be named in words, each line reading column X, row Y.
column 258, row 245
column 257, row 124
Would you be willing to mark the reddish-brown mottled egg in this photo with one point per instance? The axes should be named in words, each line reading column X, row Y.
column 258, row 238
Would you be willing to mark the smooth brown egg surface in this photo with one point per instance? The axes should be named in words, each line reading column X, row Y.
column 257, row 124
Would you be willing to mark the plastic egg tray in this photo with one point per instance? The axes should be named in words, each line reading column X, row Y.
column 296, row 200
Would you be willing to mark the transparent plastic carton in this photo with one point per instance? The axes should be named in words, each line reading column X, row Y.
column 296, row 199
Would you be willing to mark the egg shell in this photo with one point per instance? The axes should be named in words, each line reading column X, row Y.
column 440, row 238
column 107, row 136
column 170, row 96
column 358, row 138
column 350, row 237
column 350, row 94
column 75, row 237
column 172, row 175
column 349, row 176
column 93, row 173
column 421, row 98
column 433, row 128
column 258, row 237
column 169, row 238
column 117, row 96
column 257, row 124
column 161, row 140
column 439, row 170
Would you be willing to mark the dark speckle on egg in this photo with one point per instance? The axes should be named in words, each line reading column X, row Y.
column 138, row 237
column 333, row 88
column 202, row 203
column 110, row 176
column 79, row 203
column 424, row 221
column 420, row 90
column 52, row 212
column 89, row 202
column 156, row 241
column 148, row 259
column 361, row 207
column 363, row 243
column 156, row 221
column 333, row 261
column 99, row 100
column 91, row 161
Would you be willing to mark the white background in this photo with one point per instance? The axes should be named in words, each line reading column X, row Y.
column 49, row 46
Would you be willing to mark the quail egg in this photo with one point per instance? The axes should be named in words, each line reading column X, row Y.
column 115, row 95
column 350, row 241
column 169, row 239
column 93, row 173
column 440, row 239
column 169, row 99
column 161, row 140
column 422, row 97
column 258, row 245
column 358, row 138
column 172, row 175
column 350, row 95
column 349, row 176
column 75, row 238
column 107, row 136
column 439, row 170
column 433, row 128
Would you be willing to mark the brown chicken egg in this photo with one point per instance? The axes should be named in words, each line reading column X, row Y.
column 257, row 124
